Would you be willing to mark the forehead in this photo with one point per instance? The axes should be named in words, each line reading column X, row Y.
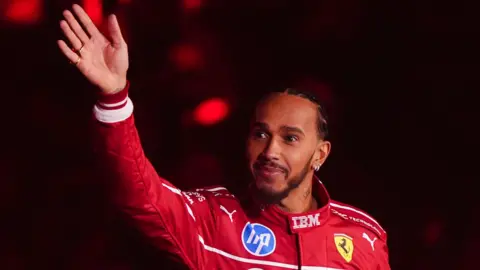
column 281, row 109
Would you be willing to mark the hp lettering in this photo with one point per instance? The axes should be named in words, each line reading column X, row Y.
column 258, row 239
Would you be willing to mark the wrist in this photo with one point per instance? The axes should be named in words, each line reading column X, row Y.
column 116, row 85
column 119, row 95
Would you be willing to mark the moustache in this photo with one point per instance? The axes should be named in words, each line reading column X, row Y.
column 264, row 163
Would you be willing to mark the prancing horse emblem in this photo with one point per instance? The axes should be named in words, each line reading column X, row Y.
column 344, row 244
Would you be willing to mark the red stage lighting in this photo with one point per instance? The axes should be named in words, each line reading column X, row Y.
column 192, row 4
column 24, row 11
column 94, row 9
column 187, row 57
column 211, row 111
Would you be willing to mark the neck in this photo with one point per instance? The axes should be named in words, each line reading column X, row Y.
column 299, row 200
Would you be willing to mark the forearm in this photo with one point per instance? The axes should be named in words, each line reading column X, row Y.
column 122, row 159
column 155, row 205
column 121, row 154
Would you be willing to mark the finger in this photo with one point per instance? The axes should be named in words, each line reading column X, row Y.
column 115, row 31
column 86, row 21
column 75, row 26
column 71, row 55
column 74, row 40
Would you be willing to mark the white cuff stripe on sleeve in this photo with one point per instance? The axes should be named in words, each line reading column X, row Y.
column 113, row 116
column 109, row 105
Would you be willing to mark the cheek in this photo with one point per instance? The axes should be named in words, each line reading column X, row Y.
column 254, row 149
column 296, row 159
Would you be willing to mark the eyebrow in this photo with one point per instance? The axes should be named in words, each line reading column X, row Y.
column 286, row 128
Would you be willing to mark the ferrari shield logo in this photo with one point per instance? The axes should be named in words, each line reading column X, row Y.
column 344, row 244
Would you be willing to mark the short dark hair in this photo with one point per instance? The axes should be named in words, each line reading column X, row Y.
column 322, row 124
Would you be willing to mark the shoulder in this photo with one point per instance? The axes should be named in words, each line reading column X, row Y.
column 358, row 217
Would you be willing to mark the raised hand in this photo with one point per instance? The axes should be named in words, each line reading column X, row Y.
column 103, row 61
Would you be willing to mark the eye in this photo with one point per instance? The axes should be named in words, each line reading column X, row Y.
column 258, row 134
column 291, row 138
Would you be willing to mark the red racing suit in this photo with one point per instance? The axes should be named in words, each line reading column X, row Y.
column 211, row 229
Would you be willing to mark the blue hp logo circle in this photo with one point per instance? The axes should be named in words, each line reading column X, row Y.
column 258, row 239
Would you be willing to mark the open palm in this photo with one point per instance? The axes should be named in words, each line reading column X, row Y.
column 103, row 61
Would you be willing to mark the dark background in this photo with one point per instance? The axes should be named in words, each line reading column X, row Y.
column 398, row 79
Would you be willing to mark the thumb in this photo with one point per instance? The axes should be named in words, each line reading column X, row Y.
column 114, row 31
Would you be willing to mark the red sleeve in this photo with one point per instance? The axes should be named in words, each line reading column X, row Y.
column 158, row 208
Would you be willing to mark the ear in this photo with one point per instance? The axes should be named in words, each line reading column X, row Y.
column 322, row 152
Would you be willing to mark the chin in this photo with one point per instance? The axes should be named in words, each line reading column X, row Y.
column 269, row 192
column 270, row 183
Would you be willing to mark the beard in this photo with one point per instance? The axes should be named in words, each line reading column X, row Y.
column 272, row 197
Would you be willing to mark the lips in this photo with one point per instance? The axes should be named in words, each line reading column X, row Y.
column 268, row 170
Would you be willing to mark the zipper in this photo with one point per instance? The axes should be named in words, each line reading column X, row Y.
column 300, row 253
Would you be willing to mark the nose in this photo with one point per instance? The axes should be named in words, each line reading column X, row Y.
column 272, row 150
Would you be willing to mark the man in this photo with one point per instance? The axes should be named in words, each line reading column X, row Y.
column 289, row 221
